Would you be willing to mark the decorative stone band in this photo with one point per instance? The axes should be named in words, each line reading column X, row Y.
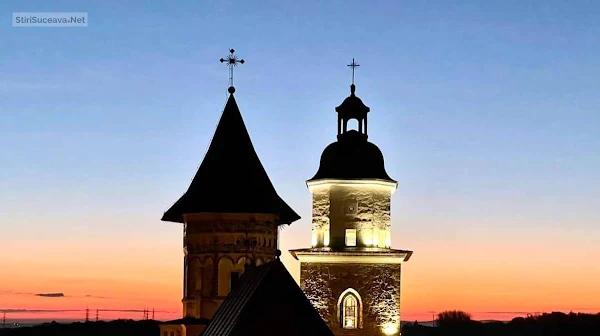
column 316, row 184
column 362, row 256
column 229, row 216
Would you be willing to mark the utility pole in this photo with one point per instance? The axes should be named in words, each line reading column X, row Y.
column 96, row 315
column 87, row 314
column 152, row 313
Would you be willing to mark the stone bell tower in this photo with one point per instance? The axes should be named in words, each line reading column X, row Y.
column 230, row 215
column 350, row 273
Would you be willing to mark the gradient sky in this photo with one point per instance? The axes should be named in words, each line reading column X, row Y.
column 487, row 114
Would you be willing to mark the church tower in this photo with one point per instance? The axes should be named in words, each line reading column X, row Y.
column 230, row 215
column 350, row 273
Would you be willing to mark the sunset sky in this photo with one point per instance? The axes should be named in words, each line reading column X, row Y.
column 487, row 114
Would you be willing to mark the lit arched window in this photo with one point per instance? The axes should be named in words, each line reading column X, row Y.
column 350, row 312
column 350, row 309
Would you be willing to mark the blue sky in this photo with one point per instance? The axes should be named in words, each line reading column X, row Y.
column 499, row 95
column 487, row 112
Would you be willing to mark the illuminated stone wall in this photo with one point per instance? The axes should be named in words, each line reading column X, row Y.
column 377, row 284
column 363, row 207
column 320, row 214
column 315, row 283
column 320, row 217
column 371, row 205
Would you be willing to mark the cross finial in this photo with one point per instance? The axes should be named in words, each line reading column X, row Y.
column 232, row 61
column 353, row 65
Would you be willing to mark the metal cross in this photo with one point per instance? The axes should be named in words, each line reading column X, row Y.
column 353, row 65
column 232, row 61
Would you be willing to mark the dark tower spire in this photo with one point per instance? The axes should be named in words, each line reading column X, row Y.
column 231, row 178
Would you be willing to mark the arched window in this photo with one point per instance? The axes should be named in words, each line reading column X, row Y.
column 350, row 312
column 353, row 124
column 350, row 309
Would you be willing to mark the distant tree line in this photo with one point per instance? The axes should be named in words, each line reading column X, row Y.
column 101, row 328
column 551, row 324
column 449, row 323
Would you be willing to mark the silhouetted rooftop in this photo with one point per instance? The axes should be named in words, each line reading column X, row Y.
column 267, row 302
column 352, row 106
column 352, row 157
column 231, row 178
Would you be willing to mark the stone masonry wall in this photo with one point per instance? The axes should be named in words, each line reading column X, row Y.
column 370, row 206
column 320, row 213
column 377, row 284
column 363, row 208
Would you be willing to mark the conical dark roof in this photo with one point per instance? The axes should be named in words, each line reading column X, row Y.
column 267, row 302
column 231, row 178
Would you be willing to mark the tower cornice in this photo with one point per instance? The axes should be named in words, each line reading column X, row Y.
column 375, row 183
column 362, row 256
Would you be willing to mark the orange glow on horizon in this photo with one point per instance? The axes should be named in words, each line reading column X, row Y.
column 497, row 279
